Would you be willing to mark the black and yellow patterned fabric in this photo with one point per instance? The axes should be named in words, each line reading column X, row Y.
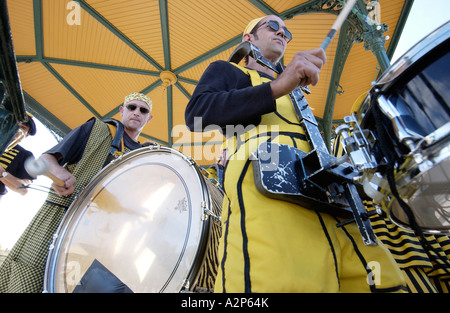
column 426, row 269
column 208, row 270
column 7, row 157
column 23, row 269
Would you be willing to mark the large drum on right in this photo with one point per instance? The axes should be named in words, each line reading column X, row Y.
column 408, row 112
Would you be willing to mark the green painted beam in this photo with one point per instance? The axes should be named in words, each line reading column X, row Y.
column 45, row 117
column 309, row 7
column 149, row 88
column 399, row 27
column 29, row 59
column 164, row 17
column 71, row 89
column 161, row 142
column 187, row 80
column 225, row 46
column 38, row 28
column 264, row 7
column 183, row 90
column 169, row 90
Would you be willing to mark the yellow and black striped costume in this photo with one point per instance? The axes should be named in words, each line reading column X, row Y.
column 424, row 272
column 13, row 162
column 8, row 156
column 269, row 245
column 23, row 269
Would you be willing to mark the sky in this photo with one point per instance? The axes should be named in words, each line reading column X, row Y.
column 16, row 211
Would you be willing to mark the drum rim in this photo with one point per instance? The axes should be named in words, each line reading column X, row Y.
column 426, row 230
column 436, row 42
column 422, row 48
column 61, row 232
column 407, row 62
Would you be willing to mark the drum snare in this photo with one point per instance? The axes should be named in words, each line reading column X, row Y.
column 408, row 113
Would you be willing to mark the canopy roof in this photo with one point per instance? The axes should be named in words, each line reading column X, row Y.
column 78, row 59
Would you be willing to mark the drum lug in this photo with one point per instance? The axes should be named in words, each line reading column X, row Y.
column 77, row 195
column 208, row 213
column 152, row 146
column 356, row 145
column 52, row 245
column 185, row 285
column 191, row 161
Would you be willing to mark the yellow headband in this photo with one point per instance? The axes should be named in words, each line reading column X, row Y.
column 252, row 25
column 140, row 97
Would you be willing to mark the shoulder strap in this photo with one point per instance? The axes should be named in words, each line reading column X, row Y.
column 116, row 130
column 254, row 76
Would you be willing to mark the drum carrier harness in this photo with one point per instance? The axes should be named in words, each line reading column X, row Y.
column 322, row 181
column 116, row 145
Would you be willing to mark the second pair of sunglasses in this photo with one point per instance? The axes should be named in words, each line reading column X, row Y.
column 133, row 107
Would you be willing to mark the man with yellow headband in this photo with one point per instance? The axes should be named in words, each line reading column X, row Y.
column 270, row 245
column 74, row 161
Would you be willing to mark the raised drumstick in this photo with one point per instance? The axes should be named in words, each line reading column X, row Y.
column 41, row 167
column 338, row 23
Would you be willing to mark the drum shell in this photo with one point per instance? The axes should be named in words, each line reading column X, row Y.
column 412, row 131
column 111, row 222
column 425, row 189
column 417, row 86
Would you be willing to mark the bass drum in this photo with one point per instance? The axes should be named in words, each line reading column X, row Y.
column 412, row 131
column 148, row 222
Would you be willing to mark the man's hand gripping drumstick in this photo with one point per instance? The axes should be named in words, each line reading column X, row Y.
column 305, row 66
column 46, row 164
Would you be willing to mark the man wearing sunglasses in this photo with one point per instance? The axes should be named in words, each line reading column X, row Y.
column 74, row 161
column 135, row 114
column 270, row 245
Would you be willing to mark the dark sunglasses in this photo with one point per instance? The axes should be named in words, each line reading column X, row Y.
column 133, row 107
column 273, row 25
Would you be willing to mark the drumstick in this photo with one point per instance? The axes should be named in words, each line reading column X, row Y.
column 41, row 167
column 338, row 23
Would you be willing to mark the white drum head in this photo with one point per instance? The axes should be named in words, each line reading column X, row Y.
column 139, row 222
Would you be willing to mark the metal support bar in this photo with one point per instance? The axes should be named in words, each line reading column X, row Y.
column 360, row 214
